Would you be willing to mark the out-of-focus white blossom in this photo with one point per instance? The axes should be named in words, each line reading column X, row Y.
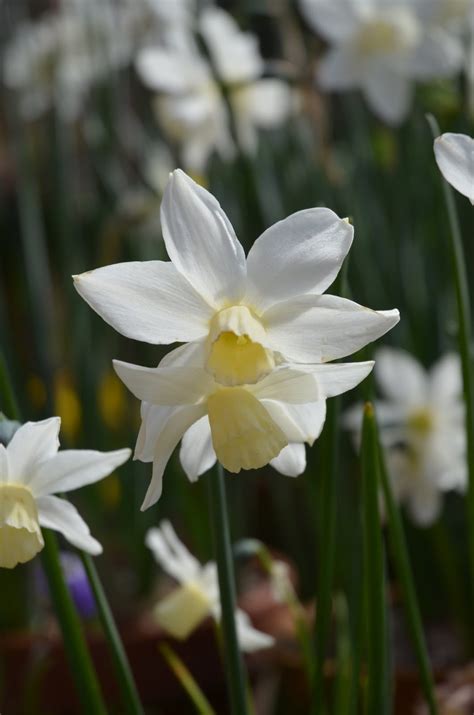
column 56, row 59
column 421, row 421
column 191, row 107
column 455, row 158
column 197, row 597
column 381, row 48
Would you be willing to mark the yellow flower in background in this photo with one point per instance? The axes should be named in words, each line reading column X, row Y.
column 67, row 405
column 111, row 400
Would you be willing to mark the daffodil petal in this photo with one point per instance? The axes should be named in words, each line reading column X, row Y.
column 339, row 378
column 61, row 515
column 400, row 377
column 197, row 453
column 287, row 385
column 338, row 69
column 250, row 639
column 446, row 379
column 164, row 385
column 171, row 554
column 388, row 93
column 424, row 504
column 201, row 241
column 31, row 443
column 455, row 158
column 323, row 328
column 334, row 20
column 148, row 301
column 300, row 254
column 172, row 432
column 71, row 469
column 4, row 466
column 165, row 70
column 154, row 418
column 308, row 419
column 291, row 461
column 439, row 54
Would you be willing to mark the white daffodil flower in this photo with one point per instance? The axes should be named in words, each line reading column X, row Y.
column 31, row 471
column 381, row 48
column 245, row 426
column 191, row 108
column 197, row 597
column 455, row 158
column 421, row 420
column 250, row 314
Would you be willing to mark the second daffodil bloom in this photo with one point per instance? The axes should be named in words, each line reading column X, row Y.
column 197, row 597
column 421, row 419
column 31, row 471
column 455, row 158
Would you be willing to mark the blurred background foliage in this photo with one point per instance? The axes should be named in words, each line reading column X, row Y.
column 80, row 187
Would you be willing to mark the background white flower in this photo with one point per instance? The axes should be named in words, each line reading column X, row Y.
column 198, row 595
column 31, row 471
column 455, row 158
column 421, row 420
column 381, row 48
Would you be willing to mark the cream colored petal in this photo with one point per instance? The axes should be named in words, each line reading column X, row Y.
column 32, row 443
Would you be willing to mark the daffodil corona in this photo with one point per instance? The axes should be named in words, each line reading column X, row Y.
column 31, row 470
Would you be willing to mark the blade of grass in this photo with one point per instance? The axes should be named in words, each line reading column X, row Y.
column 125, row 678
column 184, row 676
column 327, row 551
column 465, row 347
column 374, row 571
column 404, row 572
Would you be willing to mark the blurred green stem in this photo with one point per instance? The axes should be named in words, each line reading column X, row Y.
column 404, row 572
column 464, row 338
column 124, row 674
column 374, row 571
column 74, row 643
column 223, row 552
column 186, row 679
column 327, row 551
column 8, row 404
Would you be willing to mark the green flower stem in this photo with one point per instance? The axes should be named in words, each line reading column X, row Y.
column 327, row 551
column 374, row 577
column 223, row 552
column 404, row 571
column 80, row 661
column 8, row 404
column 74, row 643
column 465, row 344
column 130, row 697
column 186, row 679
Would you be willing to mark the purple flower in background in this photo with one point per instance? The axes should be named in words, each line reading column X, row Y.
column 77, row 583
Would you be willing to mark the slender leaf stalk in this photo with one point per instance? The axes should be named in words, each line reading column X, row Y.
column 465, row 347
column 186, row 679
column 404, row 571
column 374, row 577
column 74, row 643
column 128, row 688
column 327, row 554
column 223, row 551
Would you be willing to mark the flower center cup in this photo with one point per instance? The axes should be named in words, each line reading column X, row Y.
column 183, row 610
column 421, row 422
column 20, row 533
column 244, row 436
column 236, row 353
column 385, row 36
